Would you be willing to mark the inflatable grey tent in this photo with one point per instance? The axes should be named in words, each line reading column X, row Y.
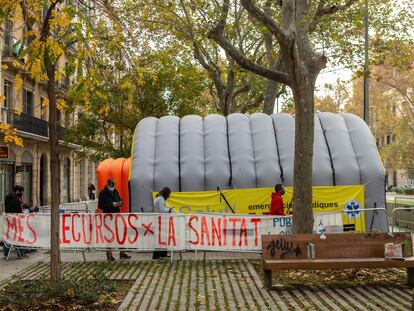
column 248, row 151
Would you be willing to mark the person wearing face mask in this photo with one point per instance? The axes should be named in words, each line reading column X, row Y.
column 13, row 205
column 110, row 202
column 276, row 205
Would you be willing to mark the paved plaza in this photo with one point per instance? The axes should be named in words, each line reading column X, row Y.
column 222, row 282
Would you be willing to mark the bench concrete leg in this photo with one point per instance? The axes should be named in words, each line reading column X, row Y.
column 410, row 276
column 267, row 279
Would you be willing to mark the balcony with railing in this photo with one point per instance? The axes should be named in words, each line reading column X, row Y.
column 31, row 124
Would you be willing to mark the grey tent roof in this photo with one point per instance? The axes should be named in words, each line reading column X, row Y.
column 249, row 151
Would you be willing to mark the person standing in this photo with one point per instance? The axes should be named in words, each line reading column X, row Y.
column 276, row 205
column 91, row 191
column 13, row 204
column 161, row 207
column 110, row 202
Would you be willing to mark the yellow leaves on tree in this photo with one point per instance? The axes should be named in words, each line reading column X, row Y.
column 61, row 104
column 61, row 19
column 104, row 110
column 36, row 70
column 10, row 135
column 18, row 82
column 54, row 47
column 16, row 64
column 101, row 95
column 126, row 85
column 45, row 103
column 86, row 101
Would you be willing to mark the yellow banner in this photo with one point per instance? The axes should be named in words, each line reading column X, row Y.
column 347, row 199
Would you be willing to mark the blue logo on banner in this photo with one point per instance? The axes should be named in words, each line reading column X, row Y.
column 353, row 209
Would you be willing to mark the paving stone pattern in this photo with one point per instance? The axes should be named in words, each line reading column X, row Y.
column 223, row 285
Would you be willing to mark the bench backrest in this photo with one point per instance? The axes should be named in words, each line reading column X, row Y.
column 338, row 245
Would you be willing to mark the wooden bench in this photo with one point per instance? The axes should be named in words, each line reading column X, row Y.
column 337, row 251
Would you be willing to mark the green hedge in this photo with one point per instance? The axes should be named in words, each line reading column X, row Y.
column 404, row 190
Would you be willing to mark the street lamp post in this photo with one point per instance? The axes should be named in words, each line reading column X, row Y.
column 366, row 80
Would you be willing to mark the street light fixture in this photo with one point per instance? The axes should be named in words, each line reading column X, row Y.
column 366, row 69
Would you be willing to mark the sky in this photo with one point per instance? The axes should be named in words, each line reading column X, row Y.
column 327, row 76
column 330, row 76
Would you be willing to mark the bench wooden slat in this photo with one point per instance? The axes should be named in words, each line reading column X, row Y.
column 345, row 245
column 336, row 251
column 321, row 264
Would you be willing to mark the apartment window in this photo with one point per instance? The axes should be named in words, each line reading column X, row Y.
column 28, row 102
column 8, row 93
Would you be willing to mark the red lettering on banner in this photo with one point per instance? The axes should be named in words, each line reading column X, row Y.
column 234, row 221
column 21, row 228
column 119, row 216
column 85, row 230
column 109, row 229
column 11, row 226
column 31, row 229
column 243, row 232
column 74, row 237
column 256, row 235
column 171, row 231
column 98, row 228
column 190, row 225
column 216, row 231
column 224, row 231
column 148, row 228
column 133, row 228
column 204, row 231
column 159, row 231
column 65, row 228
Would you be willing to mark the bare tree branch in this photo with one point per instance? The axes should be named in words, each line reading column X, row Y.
column 217, row 35
column 264, row 19
column 328, row 10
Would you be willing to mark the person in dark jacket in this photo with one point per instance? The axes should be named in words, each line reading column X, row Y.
column 110, row 202
column 13, row 205
column 276, row 205
column 91, row 191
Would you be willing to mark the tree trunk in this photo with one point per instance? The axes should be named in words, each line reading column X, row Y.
column 54, row 173
column 272, row 85
column 303, row 93
column 270, row 96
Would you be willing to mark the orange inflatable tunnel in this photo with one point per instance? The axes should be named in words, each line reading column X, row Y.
column 117, row 169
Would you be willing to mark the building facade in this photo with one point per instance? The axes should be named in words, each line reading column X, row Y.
column 25, row 109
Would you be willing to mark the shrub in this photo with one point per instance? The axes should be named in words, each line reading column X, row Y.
column 83, row 290
column 409, row 190
column 404, row 190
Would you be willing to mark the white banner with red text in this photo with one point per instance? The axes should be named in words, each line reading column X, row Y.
column 216, row 232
